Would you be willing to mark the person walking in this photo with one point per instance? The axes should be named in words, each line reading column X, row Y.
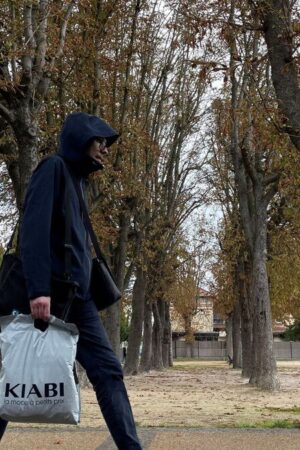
column 84, row 143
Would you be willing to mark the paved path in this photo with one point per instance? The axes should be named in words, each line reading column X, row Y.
column 152, row 439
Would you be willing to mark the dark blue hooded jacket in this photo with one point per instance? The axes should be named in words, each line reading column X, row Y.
column 43, row 226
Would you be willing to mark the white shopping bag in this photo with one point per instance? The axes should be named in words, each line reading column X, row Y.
column 37, row 378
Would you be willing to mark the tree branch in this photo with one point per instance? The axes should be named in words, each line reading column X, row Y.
column 39, row 60
column 274, row 178
column 271, row 192
column 63, row 30
column 4, row 72
column 247, row 164
column 6, row 114
column 276, row 16
column 28, row 28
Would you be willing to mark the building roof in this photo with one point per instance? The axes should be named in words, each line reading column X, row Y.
column 204, row 293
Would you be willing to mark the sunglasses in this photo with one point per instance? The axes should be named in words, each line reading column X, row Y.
column 102, row 142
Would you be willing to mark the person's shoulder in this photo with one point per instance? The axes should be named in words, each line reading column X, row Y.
column 50, row 163
column 50, row 171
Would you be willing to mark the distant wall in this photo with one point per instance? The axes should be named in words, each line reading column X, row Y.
column 217, row 350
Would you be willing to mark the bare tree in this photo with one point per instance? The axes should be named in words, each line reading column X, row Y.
column 281, row 33
column 255, row 190
column 26, row 68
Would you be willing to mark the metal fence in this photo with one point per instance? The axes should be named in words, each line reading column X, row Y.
column 287, row 350
column 215, row 350
column 200, row 349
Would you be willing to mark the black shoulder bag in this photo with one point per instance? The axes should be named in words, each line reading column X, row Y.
column 13, row 291
column 103, row 287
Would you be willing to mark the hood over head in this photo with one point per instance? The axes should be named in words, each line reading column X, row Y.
column 78, row 131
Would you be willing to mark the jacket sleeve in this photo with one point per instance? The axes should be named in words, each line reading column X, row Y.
column 35, row 236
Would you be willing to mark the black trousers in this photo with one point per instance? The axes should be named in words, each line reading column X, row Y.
column 104, row 371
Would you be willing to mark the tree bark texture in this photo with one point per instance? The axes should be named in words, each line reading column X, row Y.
column 278, row 33
column 264, row 372
column 111, row 321
column 164, row 343
column 229, row 345
column 26, row 132
column 111, row 317
column 255, row 190
column 246, row 317
column 167, row 337
column 236, row 336
column 136, row 325
column 157, row 334
column 145, row 363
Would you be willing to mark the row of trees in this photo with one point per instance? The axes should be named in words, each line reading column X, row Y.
column 255, row 165
column 132, row 63
column 148, row 67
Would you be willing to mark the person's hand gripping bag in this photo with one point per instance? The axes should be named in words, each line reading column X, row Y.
column 38, row 381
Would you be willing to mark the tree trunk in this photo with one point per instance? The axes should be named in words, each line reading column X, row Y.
column 229, row 346
column 281, row 46
column 246, row 333
column 136, row 326
column 189, row 349
column 255, row 190
column 157, row 334
column 163, row 308
column 14, row 173
column 236, row 336
column 264, row 373
column 167, row 338
column 82, row 377
column 111, row 317
column 161, row 304
column 246, row 319
column 171, row 361
column 26, row 132
column 145, row 363
column 111, row 321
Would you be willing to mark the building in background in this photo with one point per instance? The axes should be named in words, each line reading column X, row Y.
column 200, row 319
